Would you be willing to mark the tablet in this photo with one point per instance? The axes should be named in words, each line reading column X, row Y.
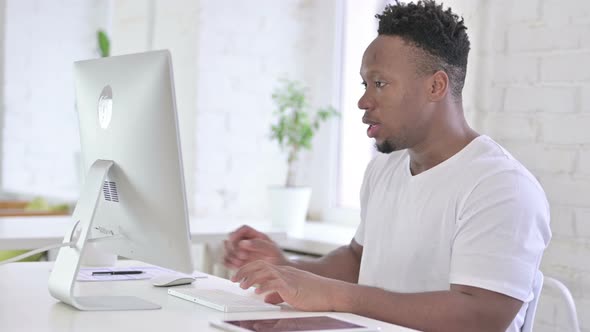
column 298, row 324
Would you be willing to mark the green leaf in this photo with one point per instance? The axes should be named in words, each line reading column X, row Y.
column 104, row 44
column 37, row 204
column 294, row 128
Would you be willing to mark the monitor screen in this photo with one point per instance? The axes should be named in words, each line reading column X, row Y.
column 133, row 197
column 127, row 114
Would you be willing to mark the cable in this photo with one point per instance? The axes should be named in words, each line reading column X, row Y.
column 53, row 246
column 34, row 252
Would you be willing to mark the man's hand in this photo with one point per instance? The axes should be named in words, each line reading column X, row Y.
column 247, row 245
column 302, row 290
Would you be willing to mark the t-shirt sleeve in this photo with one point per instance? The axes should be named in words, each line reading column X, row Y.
column 364, row 199
column 502, row 231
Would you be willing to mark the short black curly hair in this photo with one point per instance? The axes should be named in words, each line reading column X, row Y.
column 440, row 35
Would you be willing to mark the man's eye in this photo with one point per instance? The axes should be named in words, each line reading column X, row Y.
column 364, row 84
column 379, row 84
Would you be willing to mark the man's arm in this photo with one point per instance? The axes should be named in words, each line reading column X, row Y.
column 343, row 263
column 246, row 245
column 462, row 308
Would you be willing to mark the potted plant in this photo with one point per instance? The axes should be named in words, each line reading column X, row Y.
column 293, row 130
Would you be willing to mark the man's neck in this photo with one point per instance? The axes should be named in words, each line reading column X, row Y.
column 440, row 146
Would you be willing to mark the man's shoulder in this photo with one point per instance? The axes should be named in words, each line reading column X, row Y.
column 493, row 160
column 494, row 171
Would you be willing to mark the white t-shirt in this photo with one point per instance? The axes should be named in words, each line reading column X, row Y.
column 478, row 219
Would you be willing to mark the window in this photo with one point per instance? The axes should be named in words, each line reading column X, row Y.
column 355, row 148
column 358, row 27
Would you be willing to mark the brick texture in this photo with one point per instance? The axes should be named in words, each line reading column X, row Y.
column 39, row 134
column 538, row 55
column 236, row 161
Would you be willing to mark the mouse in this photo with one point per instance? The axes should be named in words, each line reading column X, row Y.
column 167, row 280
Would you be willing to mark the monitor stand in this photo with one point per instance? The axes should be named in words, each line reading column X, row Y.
column 65, row 270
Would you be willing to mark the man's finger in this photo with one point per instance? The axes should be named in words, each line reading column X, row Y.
column 248, row 270
column 273, row 298
column 238, row 263
column 229, row 250
column 228, row 263
column 228, row 247
column 257, row 245
column 269, row 286
column 259, row 278
column 245, row 232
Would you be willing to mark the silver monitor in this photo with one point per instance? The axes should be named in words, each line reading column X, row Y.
column 133, row 196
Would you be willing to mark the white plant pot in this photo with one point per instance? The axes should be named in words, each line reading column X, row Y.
column 288, row 207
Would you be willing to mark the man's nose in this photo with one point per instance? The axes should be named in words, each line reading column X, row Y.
column 365, row 102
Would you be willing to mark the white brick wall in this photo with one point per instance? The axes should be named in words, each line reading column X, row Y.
column 521, row 68
column 240, row 62
column 523, row 10
column 585, row 102
column 565, row 228
column 567, row 129
column 581, row 224
column 567, row 67
column 541, row 37
column 39, row 134
column 531, row 86
column 541, row 99
column 565, row 12
column 566, row 190
column 543, row 158
column 137, row 26
column 227, row 63
column 507, row 126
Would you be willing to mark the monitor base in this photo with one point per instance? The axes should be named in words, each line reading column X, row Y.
column 66, row 267
column 104, row 303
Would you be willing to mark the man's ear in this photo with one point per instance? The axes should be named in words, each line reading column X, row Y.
column 438, row 86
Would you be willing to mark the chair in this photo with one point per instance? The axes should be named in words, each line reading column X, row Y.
column 538, row 285
column 567, row 296
column 532, row 309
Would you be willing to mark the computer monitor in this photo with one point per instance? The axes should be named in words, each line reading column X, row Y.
column 133, row 194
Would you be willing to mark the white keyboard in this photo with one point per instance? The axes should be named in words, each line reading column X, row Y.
column 222, row 300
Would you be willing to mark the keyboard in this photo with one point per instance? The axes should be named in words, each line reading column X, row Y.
column 222, row 300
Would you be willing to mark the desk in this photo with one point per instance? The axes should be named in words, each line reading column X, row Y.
column 26, row 305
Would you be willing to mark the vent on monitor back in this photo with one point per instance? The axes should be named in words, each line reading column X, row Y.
column 109, row 189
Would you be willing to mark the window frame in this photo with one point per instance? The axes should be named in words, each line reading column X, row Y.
column 325, row 182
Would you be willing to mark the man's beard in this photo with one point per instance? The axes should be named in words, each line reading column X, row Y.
column 388, row 146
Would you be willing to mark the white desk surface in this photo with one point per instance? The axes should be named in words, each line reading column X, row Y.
column 35, row 232
column 26, row 305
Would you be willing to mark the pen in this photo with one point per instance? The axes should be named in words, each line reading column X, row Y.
column 113, row 273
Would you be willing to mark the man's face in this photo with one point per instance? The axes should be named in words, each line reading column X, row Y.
column 395, row 100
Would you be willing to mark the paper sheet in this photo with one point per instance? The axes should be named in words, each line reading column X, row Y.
column 85, row 274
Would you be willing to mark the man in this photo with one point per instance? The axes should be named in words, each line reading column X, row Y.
column 452, row 226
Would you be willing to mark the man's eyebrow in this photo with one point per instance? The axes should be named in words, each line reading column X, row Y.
column 371, row 73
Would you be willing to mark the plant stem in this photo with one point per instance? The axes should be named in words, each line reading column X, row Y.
column 291, row 167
